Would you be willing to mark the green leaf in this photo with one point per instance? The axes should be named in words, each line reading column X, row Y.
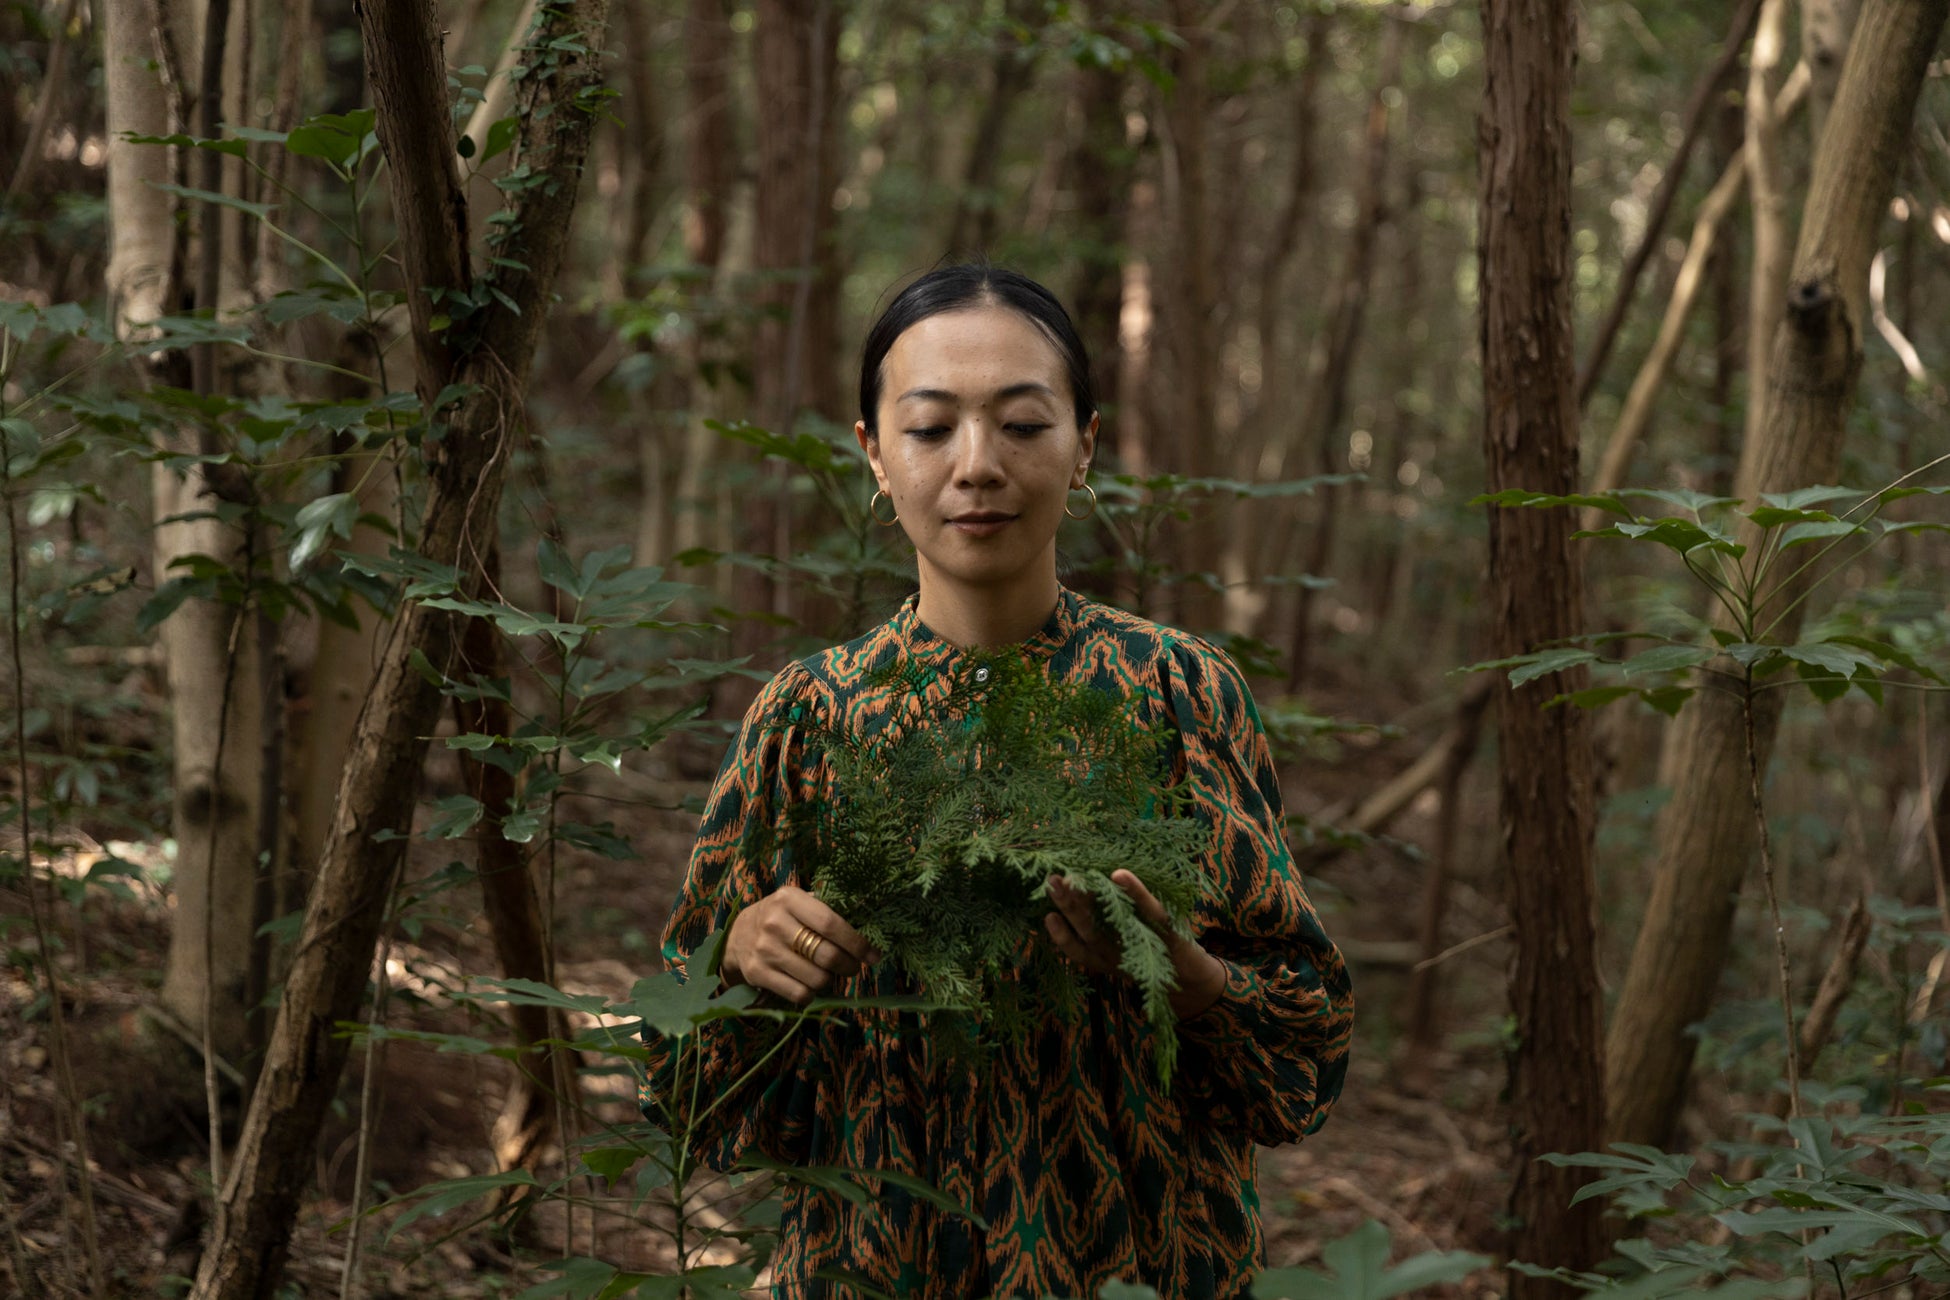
column 261, row 211
column 1546, row 662
column 1839, row 659
column 1801, row 534
column 1802, row 498
column 1889, row 654
column 532, row 993
column 500, row 137
column 328, row 516
column 1520, row 497
column 1684, row 498
column 1667, row 659
column 1775, row 516
column 452, row 1193
column 338, row 138
column 454, row 816
column 168, row 598
column 1595, row 697
column 612, row 1162
column 1667, row 699
column 1359, row 1264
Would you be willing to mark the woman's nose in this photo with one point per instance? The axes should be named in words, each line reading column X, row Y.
column 978, row 459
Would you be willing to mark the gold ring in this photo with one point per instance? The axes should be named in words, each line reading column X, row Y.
column 806, row 943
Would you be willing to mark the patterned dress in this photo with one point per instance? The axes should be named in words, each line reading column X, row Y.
column 1083, row 1168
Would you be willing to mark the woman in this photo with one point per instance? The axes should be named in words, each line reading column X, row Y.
column 977, row 416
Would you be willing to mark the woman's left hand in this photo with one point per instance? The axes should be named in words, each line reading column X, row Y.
column 1074, row 930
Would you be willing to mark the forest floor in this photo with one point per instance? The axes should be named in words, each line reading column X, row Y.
column 1416, row 1142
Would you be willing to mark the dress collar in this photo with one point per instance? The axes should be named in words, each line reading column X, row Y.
column 924, row 645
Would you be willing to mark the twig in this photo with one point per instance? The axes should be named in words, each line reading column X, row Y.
column 368, row 1090
column 76, row 1118
column 1458, row 949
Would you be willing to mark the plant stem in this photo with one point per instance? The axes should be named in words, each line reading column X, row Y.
column 1773, row 901
column 76, row 1118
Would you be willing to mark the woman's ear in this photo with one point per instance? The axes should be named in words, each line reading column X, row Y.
column 870, row 444
column 1086, row 449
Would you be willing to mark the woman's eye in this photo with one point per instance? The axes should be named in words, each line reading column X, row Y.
column 930, row 431
column 1026, row 429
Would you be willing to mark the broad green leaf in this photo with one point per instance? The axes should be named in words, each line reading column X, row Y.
column 1840, row 659
column 1889, row 654
column 1684, row 498
column 328, row 516
column 533, row 993
column 453, row 817
column 235, row 148
column 500, row 137
column 338, row 138
column 1546, row 662
column 1801, row 534
column 1775, row 516
column 168, row 598
column 1802, row 498
column 1821, row 683
column 1594, row 697
column 1666, row 659
column 1521, row 497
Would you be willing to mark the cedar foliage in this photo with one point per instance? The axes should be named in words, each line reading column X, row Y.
column 936, row 841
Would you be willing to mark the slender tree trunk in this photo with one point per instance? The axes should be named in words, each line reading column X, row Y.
column 709, row 149
column 1333, row 365
column 1537, row 597
column 1723, row 274
column 1100, row 169
column 1705, row 836
column 1701, row 115
column 1767, row 184
column 1189, row 312
column 275, row 1156
column 1010, row 66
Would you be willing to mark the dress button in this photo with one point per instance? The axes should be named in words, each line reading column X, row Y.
column 982, row 674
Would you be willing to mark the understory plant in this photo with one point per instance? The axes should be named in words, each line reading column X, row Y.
column 1849, row 1199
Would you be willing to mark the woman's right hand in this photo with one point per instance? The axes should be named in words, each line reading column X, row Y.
column 766, row 949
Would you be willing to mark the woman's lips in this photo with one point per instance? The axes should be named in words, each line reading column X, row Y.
column 985, row 524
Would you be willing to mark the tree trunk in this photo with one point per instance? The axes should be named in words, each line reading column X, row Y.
column 1705, row 836
column 1189, row 308
column 1767, row 290
column 1100, row 168
column 795, row 57
column 275, row 1157
column 1333, row 367
column 1537, row 597
column 709, row 148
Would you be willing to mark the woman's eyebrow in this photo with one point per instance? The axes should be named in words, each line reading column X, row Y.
column 1026, row 388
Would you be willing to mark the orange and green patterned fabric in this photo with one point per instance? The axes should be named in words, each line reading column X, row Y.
column 1084, row 1169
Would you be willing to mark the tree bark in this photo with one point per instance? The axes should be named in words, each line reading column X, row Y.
column 1705, row 836
column 1537, row 598
column 1825, row 28
column 274, row 1159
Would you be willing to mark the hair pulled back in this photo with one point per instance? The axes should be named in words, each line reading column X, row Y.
column 975, row 284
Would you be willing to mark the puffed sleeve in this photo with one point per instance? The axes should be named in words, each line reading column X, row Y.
column 744, row 851
column 1270, row 1055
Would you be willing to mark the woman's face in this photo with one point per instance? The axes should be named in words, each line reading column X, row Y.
column 978, row 446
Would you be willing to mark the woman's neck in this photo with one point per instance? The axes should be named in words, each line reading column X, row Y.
column 985, row 618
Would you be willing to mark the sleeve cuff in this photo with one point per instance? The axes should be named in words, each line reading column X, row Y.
column 1230, row 1023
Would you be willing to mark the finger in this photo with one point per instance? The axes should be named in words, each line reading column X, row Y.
column 804, row 909
column 1089, row 956
column 1077, row 908
column 791, row 976
column 1145, row 901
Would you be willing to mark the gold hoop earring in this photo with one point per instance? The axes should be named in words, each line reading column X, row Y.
column 873, row 503
column 1087, row 513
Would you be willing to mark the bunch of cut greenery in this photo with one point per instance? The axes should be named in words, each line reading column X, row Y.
column 939, row 834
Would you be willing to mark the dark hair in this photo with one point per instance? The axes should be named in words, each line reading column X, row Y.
column 952, row 288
